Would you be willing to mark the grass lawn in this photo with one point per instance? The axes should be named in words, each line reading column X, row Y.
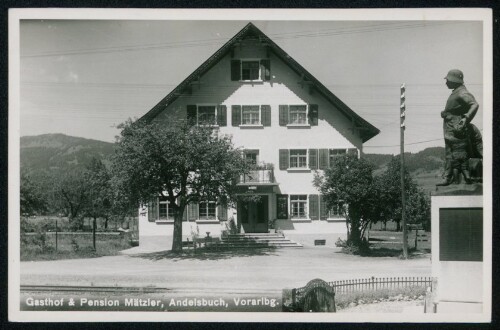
column 42, row 246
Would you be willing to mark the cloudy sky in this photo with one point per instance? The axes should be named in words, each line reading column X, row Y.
column 84, row 77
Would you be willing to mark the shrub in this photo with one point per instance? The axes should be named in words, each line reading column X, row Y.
column 349, row 247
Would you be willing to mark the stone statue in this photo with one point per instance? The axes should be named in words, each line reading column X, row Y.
column 463, row 140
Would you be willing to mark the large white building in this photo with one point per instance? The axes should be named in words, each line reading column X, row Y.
column 283, row 118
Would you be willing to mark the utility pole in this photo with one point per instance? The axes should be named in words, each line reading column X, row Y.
column 402, row 144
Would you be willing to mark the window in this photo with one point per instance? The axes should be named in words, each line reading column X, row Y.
column 337, row 211
column 335, row 153
column 298, row 114
column 207, row 210
column 250, row 70
column 250, row 115
column 298, row 158
column 165, row 211
column 298, row 205
column 252, row 156
column 207, row 115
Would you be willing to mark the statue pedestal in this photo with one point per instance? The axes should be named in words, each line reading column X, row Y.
column 457, row 248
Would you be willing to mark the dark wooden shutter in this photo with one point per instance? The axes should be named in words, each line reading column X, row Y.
column 222, row 212
column 323, row 210
column 265, row 69
column 281, row 206
column 313, row 207
column 221, row 115
column 193, row 211
column 313, row 159
column 235, row 70
column 284, row 157
column 313, row 114
column 283, row 108
column 236, row 115
column 323, row 159
column 191, row 114
column 266, row 115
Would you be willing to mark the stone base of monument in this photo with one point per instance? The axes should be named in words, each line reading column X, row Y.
column 457, row 248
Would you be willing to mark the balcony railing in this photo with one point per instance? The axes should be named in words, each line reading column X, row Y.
column 258, row 176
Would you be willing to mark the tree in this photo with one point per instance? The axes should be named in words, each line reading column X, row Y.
column 98, row 187
column 179, row 161
column 70, row 195
column 32, row 199
column 389, row 186
column 349, row 181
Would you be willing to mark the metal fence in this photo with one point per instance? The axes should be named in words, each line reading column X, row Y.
column 380, row 283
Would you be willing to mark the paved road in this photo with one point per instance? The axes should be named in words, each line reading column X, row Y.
column 243, row 272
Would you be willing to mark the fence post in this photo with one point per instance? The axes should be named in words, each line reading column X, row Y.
column 56, row 235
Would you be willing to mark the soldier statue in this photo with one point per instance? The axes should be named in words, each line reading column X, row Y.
column 463, row 140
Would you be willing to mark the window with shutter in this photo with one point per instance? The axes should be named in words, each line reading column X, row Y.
column 313, row 114
column 266, row 115
column 313, row 207
column 236, row 115
column 281, row 206
column 323, row 159
column 283, row 155
column 313, row 159
column 250, row 115
column 298, row 206
column 283, row 113
column 298, row 158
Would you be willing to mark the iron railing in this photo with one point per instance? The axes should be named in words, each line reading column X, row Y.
column 258, row 176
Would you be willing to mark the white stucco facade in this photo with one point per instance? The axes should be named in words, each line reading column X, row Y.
column 332, row 130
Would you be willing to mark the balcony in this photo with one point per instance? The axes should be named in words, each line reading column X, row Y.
column 258, row 176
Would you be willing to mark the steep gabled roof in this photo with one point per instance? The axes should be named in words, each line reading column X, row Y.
column 367, row 130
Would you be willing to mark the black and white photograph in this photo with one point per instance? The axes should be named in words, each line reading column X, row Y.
column 265, row 165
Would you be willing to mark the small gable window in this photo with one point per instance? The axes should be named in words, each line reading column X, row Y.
column 207, row 115
column 251, row 70
column 298, row 114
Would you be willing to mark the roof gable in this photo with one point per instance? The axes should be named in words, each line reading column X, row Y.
column 366, row 129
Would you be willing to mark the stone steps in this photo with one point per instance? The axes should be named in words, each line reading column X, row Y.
column 257, row 240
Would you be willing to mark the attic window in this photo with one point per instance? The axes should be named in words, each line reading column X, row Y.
column 251, row 70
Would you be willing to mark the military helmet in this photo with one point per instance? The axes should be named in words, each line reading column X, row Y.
column 455, row 76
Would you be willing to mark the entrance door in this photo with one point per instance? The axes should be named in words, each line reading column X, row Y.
column 254, row 215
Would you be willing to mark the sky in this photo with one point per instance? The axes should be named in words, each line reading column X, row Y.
column 85, row 77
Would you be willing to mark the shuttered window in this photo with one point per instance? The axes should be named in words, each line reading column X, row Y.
column 207, row 210
column 314, row 207
column 222, row 213
column 191, row 114
column 193, row 211
column 298, row 158
column 298, row 206
column 250, row 115
column 165, row 211
column 301, row 115
column 251, row 70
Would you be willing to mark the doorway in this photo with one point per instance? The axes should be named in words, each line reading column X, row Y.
column 254, row 215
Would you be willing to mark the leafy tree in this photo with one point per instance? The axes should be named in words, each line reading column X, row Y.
column 98, row 187
column 417, row 205
column 32, row 199
column 181, row 162
column 70, row 195
column 349, row 180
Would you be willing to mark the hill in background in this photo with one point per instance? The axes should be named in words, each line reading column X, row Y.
column 59, row 152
